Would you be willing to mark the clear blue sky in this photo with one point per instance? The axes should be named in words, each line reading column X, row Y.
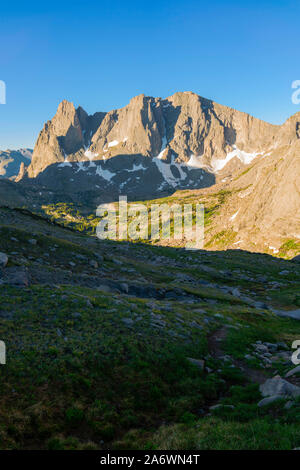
column 244, row 54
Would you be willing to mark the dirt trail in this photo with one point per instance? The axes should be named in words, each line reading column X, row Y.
column 215, row 348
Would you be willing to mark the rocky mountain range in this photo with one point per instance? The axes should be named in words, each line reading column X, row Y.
column 154, row 147
column 150, row 146
column 184, row 129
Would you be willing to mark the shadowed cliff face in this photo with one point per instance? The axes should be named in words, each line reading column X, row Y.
column 137, row 177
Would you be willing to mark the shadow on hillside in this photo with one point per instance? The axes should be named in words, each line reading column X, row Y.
column 90, row 183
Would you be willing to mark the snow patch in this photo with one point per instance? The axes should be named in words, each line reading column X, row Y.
column 81, row 167
column 165, row 170
column 195, row 161
column 65, row 163
column 136, row 168
column 163, row 148
column 244, row 157
column 217, row 164
column 90, row 155
column 234, row 215
column 113, row 143
column 104, row 173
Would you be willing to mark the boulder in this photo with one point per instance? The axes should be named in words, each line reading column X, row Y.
column 124, row 287
column 278, row 386
column 93, row 264
column 216, row 407
column 268, row 400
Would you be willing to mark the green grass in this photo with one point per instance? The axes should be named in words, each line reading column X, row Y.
column 289, row 248
column 79, row 377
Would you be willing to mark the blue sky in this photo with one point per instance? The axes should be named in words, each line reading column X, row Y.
column 99, row 54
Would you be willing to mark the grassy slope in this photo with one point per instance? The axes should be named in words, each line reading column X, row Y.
column 77, row 217
column 90, row 368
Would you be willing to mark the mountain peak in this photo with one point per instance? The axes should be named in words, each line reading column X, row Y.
column 65, row 106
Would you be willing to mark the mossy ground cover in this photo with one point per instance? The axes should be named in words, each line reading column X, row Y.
column 77, row 370
column 87, row 369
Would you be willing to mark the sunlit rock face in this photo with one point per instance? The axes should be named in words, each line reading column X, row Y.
column 184, row 128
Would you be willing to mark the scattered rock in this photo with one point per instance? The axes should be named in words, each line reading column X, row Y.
column 124, row 287
column 271, row 346
column 104, row 288
column 17, row 277
column 288, row 405
column 93, row 264
column 89, row 304
column 200, row 363
column 3, row 260
column 79, row 256
column 248, row 357
column 283, row 346
column 260, row 305
column 128, row 321
column 218, row 315
column 117, row 261
column 76, row 315
column 261, row 348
